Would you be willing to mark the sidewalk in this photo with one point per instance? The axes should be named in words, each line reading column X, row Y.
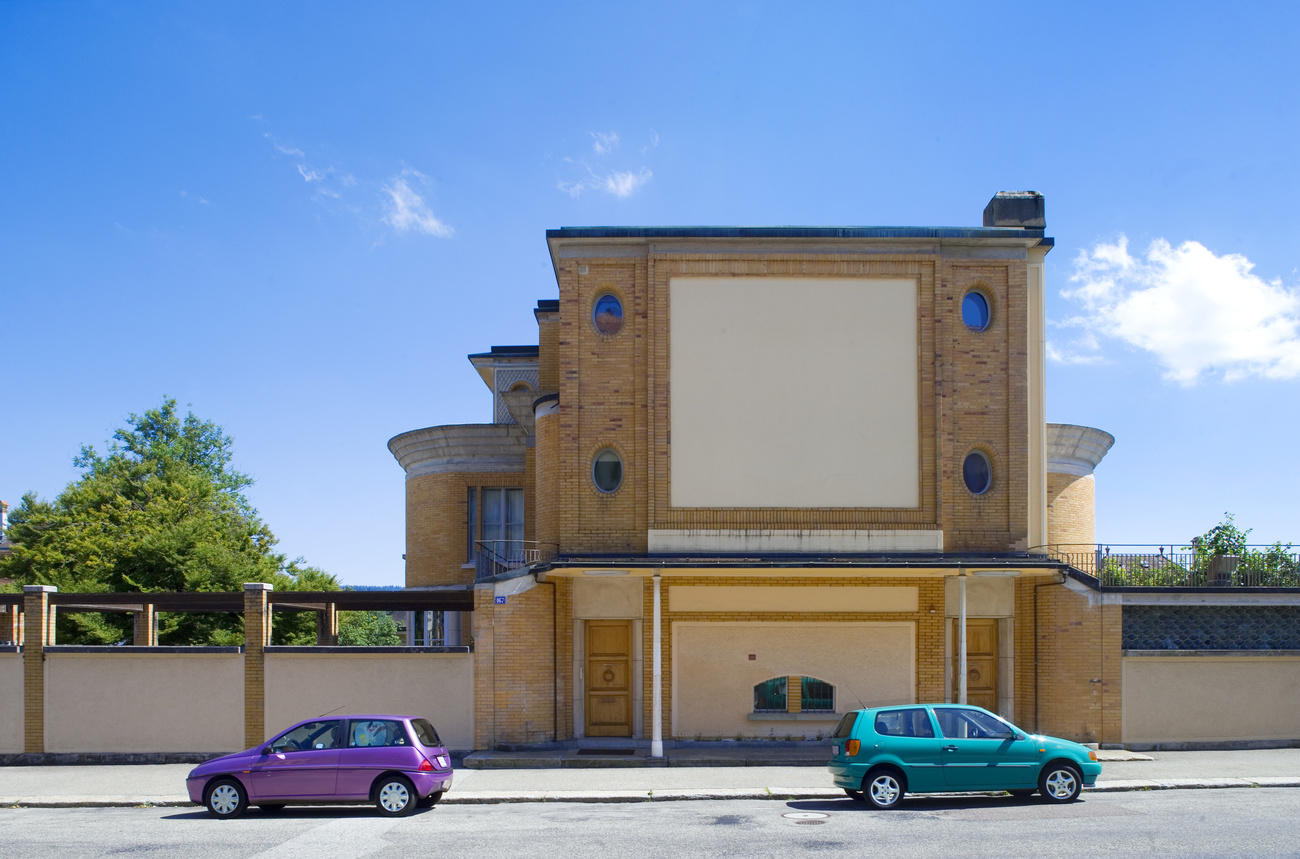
column 164, row 784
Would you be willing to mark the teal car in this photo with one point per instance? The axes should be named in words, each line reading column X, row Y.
column 881, row 753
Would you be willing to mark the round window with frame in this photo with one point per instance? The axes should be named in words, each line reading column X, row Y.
column 607, row 470
column 977, row 473
column 975, row 310
column 607, row 314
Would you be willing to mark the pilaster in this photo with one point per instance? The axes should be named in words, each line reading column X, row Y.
column 39, row 620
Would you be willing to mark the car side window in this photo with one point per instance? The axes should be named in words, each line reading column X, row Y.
column 912, row 722
column 377, row 732
column 311, row 736
column 961, row 724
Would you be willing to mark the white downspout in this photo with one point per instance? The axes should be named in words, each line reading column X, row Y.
column 961, row 638
column 656, row 683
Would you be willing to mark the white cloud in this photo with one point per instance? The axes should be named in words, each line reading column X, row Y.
column 309, row 174
column 620, row 183
column 603, row 142
column 1195, row 312
column 627, row 183
column 407, row 211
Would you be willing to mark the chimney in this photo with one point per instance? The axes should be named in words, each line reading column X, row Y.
column 1022, row 209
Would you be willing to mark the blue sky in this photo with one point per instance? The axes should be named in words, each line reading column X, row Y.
column 299, row 218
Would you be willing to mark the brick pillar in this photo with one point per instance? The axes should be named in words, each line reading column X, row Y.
column 38, row 614
column 51, row 631
column 146, row 627
column 327, row 626
column 257, row 634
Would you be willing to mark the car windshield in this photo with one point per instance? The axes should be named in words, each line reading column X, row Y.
column 425, row 733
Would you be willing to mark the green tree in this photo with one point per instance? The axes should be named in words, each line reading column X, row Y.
column 161, row 510
column 368, row 629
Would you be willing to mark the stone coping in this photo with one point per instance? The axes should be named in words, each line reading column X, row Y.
column 131, row 649
column 272, row 649
column 1254, row 652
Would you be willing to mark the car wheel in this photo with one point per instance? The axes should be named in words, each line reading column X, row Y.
column 883, row 788
column 431, row 800
column 1060, row 782
column 226, row 798
column 394, row 796
column 271, row 807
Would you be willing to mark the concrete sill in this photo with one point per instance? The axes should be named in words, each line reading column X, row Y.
column 794, row 717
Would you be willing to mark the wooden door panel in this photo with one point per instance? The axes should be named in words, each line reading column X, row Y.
column 981, row 663
column 608, row 693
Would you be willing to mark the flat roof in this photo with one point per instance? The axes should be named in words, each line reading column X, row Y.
column 799, row 233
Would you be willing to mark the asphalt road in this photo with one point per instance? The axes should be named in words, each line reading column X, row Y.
column 1259, row 822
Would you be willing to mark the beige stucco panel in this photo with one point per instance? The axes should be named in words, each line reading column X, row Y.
column 714, row 678
column 597, row 597
column 438, row 686
column 793, row 392
column 148, row 702
column 994, row 596
column 793, row 598
column 1205, row 699
column 794, row 540
column 11, row 703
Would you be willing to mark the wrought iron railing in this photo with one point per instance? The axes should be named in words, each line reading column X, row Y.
column 494, row 557
column 1174, row 566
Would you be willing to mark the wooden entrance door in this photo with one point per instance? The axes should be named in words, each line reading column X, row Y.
column 981, row 662
column 609, row 678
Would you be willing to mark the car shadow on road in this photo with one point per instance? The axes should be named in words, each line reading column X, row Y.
column 297, row 812
column 923, row 802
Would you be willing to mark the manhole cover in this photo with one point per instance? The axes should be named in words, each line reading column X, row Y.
column 807, row 822
column 804, row 816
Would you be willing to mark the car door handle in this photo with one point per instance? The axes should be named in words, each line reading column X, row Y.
column 950, row 748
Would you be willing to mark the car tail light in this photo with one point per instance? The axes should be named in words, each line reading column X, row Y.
column 425, row 766
column 852, row 747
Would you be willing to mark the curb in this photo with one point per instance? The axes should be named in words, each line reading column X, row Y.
column 607, row 797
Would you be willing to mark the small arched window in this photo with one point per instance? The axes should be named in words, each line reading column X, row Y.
column 817, row 695
column 769, row 696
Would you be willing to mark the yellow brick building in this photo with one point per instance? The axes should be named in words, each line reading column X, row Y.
column 750, row 478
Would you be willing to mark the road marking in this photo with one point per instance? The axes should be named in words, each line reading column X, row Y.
column 349, row 836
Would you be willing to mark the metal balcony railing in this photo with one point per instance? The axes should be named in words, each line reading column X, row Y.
column 1174, row 566
column 494, row 557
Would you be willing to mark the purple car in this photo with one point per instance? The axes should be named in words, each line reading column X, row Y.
column 396, row 762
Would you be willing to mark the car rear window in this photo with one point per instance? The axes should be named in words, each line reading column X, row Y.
column 366, row 733
column 425, row 733
column 912, row 722
column 845, row 727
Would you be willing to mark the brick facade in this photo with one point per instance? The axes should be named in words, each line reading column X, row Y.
column 975, row 391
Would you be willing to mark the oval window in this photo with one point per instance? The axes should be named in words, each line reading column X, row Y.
column 977, row 472
column 607, row 314
column 607, row 470
column 975, row 311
